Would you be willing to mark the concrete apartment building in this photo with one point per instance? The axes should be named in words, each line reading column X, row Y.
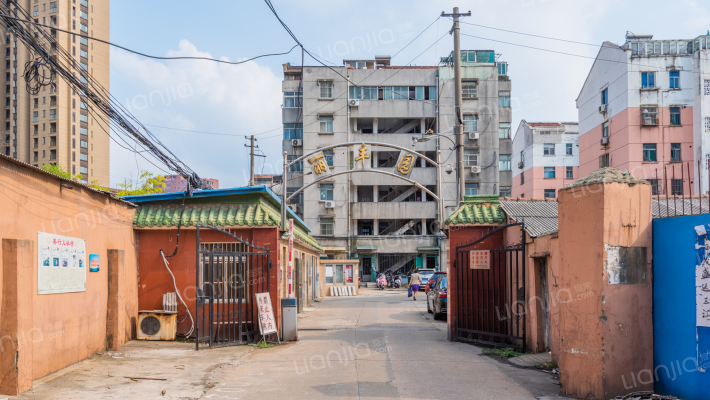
column 646, row 105
column 176, row 183
column 383, row 221
column 54, row 126
column 546, row 157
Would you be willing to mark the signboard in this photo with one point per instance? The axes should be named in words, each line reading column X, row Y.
column 479, row 259
column 362, row 157
column 267, row 322
column 319, row 165
column 405, row 164
column 61, row 264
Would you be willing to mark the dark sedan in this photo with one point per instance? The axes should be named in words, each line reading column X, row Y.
column 436, row 297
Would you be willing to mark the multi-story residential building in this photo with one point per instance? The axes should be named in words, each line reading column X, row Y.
column 267, row 180
column 645, row 108
column 176, row 183
column 383, row 221
column 54, row 126
column 546, row 157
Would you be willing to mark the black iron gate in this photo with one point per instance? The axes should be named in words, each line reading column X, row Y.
column 229, row 273
column 491, row 298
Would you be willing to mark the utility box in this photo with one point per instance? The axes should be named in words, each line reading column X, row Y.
column 157, row 325
column 289, row 319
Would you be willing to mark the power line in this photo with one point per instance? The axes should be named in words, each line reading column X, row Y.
column 209, row 133
column 530, row 34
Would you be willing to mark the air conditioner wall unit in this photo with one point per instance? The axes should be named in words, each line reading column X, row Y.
column 605, row 141
column 521, row 165
column 603, row 108
column 473, row 135
column 354, row 102
column 157, row 325
column 297, row 142
column 475, row 169
column 330, row 204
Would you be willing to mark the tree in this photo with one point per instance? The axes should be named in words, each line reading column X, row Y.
column 147, row 184
column 59, row 170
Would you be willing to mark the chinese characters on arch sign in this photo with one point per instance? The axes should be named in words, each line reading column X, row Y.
column 479, row 259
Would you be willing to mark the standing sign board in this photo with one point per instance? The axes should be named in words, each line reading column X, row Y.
column 267, row 323
column 479, row 259
column 61, row 264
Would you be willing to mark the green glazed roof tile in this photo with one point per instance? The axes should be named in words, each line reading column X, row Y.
column 477, row 210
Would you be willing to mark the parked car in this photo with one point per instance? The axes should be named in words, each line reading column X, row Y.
column 436, row 299
column 431, row 280
column 425, row 274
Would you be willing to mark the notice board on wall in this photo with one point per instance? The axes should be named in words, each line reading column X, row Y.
column 61, row 264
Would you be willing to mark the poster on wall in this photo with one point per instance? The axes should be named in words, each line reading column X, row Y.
column 348, row 273
column 61, row 264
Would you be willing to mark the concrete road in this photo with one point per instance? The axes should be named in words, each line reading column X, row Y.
column 377, row 345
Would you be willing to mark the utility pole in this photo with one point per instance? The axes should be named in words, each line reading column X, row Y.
column 458, row 128
column 251, row 163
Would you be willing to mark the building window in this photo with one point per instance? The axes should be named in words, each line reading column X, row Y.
column 648, row 80
column 549, row 173
column 675, row 152
column 470, row 157
column 504, row 130
column 293, row 99
column 326, row 191
column 549, row 149
column 605, row 96
column 469, row 90
column 522, row 178
column 297, row 199
column 676, row 187
column 605, row 129
column 569, row 172
column 83, row 157
column 549, row 193
column 329, row 155
column 506, row 191
column 292, row 131
column 83, row 144
column 35, row 116
column 396, row 92
column 504, row 99
column 655, row 188
column 53, row 114
column 326, row 90
column 326, row 123
column 568, row 149
column 649, row 115
column 326, row 228
column 504, row 162
column 297, row 167
column 649, row 152
column 470, row 123
column 471, row 189
column 674, row 77
column 675, row 115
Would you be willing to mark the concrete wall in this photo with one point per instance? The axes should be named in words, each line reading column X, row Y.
column 324, row 288
column 40, row 334
column 609, row 334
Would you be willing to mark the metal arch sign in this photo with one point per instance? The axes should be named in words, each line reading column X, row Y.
column 318, row 163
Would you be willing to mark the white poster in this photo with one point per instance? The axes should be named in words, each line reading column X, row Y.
column 267, row 322
column 61, row 264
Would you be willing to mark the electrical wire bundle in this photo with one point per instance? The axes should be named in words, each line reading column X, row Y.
column 52, row 60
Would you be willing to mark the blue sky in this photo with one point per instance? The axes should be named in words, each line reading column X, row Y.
column 246, row 99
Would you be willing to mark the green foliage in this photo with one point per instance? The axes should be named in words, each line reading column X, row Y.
column 503, row 353
column 147, row 184
column 59, row 170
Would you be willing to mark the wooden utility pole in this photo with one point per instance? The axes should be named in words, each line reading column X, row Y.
column 252, row 147
column 458, row 124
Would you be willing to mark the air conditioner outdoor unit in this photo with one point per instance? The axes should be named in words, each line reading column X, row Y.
column 297, row 142
column 475, row 169
column 602, row 108
column 605, row 141
column 520, row 165
column 330, row 204
column 157, row 325
column 354, row 102
column 473, row 135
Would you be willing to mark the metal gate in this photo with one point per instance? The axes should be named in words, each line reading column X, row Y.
column 228, row 276
column 491, row 299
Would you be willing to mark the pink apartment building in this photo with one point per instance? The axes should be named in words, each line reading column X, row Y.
column 176, row 183
column 546, row 157
column 645, row 108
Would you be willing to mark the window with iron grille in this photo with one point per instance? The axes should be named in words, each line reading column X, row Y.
column 649, row 152
column 649, row 115
column 470, row 157
column 229, row 272
column 470, row 123
column 655, row 188
column 326, row 226
column 469, row 90
column 706, row 87
column 707, row 124
column 604, row 160
column 326, row 90
column 676, row 187
column 675, row 152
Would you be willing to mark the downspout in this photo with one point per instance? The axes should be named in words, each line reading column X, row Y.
column 347, row 98
column 440, row 208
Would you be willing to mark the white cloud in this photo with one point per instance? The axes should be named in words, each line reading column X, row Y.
column 197, row 95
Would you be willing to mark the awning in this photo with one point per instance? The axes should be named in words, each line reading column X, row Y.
column 427, row 249
column 333, row 249
column 366, row 248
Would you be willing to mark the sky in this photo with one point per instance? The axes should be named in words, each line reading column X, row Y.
column 175, row 98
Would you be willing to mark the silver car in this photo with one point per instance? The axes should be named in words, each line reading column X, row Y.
column 425, row 274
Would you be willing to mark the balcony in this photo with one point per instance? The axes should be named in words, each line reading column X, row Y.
column 396, row 244
column 423, row 176
column 402, row 210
